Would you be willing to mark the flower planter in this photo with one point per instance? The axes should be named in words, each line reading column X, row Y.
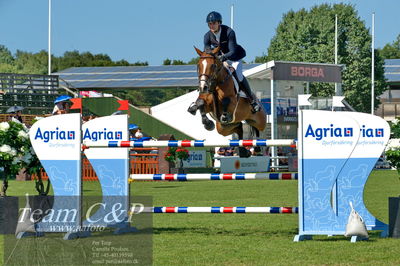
column 394, row 217
column 8, row 214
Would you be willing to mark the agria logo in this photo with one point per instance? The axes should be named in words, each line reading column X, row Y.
column 56, row 134
column 340, row 132
column 372, row 132
column 102, row 135
column 329, row 132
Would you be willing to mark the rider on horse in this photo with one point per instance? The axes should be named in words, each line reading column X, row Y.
column 230, row 52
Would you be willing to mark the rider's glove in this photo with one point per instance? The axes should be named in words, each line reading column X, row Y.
column 222, row 58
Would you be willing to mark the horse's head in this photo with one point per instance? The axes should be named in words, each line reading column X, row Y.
column 207, row 69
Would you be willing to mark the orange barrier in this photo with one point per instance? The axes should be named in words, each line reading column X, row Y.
column 141, row 163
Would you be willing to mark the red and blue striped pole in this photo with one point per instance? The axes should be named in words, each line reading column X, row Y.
column 271, row 210
column 195, row 177
column 191, row 143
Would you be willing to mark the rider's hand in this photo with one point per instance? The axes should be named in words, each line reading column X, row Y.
column 222, row 58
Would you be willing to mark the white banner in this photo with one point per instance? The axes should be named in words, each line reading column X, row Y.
column 254, row 164
column 196, row 159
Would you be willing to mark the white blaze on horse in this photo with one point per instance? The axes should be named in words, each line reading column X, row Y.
column 219, row 97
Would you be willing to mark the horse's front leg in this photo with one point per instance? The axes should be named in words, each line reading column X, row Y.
column 195, row 106
column 226, row 117
column 208, row 124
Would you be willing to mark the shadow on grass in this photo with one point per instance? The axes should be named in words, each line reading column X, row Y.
column 219, row 231
column 166, row 187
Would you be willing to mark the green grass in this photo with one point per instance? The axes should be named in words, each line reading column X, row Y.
column 252, row 239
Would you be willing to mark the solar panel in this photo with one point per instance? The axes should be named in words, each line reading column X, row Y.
column 393, row 77
column 389, row 62
column 133, row 76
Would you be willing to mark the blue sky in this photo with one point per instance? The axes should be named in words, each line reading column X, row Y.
column 154, row 30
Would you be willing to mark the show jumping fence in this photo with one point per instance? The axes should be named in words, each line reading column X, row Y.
column 197, row 177
column 271, row 210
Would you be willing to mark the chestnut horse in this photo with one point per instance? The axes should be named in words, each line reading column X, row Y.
column 218, row 96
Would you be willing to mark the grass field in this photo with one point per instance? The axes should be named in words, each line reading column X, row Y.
column 251, row 239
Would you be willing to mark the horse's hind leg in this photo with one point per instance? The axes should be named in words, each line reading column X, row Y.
column 243, row 152
column 225, row 117
column 257, row 133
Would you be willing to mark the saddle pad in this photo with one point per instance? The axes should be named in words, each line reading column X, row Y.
column 238, row 91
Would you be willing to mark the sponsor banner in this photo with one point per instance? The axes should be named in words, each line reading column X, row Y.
column 57, row 143
column 54, row 133
column 196, row 159
column 307, row 72
column 110, row 164
column 235, row 164
column 374, row 135
column 338, row 152
column 105, row 128
column 328, row 135
column 286, row 110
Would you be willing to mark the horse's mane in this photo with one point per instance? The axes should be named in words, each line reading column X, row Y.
column 209, row 52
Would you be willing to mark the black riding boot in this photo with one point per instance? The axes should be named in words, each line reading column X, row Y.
column 244, row 86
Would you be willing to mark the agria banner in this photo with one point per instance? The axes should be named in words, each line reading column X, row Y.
column 111, row 166
column 339, row 151
column 57, row 143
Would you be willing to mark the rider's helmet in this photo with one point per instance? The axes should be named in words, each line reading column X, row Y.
column 214, row 16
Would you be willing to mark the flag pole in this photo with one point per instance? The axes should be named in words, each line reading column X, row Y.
column 49, row 40
column 373, row 66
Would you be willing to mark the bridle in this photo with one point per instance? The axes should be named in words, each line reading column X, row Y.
column 211, row 80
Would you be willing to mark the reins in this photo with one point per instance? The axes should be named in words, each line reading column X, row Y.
column 213, row 78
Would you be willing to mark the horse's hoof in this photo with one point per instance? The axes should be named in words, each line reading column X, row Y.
column 209, row 125
column 226, row 118
column 192, row 109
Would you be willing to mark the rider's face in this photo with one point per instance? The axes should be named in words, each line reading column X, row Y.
column 214, row 26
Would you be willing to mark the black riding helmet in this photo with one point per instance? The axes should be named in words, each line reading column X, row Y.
column 214, row 16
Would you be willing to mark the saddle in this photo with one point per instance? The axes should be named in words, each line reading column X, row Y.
column 236, row 82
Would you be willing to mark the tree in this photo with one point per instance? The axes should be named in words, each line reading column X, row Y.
column 308, row 36
column 5, row 56
column 29, row 63
column 168, row 62
column 391, row 51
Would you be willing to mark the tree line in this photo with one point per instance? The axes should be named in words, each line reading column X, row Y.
column 303, row 36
